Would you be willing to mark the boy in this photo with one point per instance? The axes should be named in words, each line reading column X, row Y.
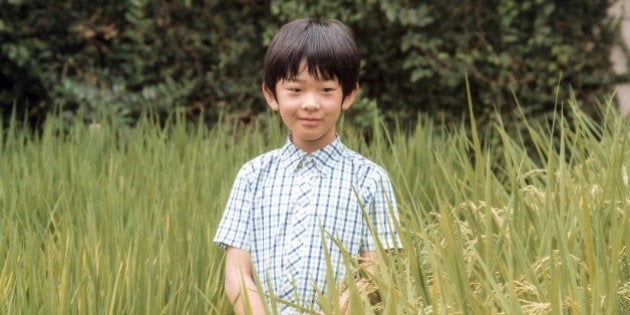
column 285, row 204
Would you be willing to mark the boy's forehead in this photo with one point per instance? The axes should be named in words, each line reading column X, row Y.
column 305, row 76
column 304, row 71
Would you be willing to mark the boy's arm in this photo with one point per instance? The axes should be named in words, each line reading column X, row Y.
column 367, row 259
column 238, row 270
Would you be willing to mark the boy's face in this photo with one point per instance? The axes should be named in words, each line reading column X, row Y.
column 310, row 108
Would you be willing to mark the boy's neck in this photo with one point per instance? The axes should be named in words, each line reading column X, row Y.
column 312, row 148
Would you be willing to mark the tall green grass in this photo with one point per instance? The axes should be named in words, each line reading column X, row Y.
column 107, row 220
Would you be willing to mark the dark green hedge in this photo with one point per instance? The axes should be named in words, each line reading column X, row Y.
column 204, row 56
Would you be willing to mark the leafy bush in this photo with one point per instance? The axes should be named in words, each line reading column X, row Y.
column 130, row 56
column 204, row 57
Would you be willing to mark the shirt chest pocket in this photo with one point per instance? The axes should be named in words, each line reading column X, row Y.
column 344, row 227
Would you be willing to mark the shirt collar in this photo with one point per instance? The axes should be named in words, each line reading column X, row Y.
column 324, row 158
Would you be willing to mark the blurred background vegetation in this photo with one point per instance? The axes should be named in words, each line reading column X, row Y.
column 203, row 57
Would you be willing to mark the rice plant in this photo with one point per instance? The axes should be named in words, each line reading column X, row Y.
column 103, row 219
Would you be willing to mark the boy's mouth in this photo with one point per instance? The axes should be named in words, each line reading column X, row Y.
column 309, row 120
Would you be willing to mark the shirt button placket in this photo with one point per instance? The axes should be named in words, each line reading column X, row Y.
column 298, row 232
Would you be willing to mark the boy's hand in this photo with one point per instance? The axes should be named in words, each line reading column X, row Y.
column 238, row 271
column 362, row 286
column 367, row 260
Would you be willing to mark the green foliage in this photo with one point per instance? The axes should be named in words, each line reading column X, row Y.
column 131, row 56
column 204, row 57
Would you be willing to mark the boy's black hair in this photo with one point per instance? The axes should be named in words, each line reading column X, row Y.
column 328, row 47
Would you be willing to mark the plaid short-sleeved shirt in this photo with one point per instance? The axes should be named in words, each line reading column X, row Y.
column 283, row 200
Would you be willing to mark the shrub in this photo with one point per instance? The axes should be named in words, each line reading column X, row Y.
column 204, row 57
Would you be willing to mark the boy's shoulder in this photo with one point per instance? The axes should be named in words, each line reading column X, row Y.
column 262, row 160
column 362, row 167
column 366, row 166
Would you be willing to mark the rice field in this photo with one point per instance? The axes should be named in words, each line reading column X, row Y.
column 105, row 219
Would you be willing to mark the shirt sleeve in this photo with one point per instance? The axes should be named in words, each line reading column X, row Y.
column 234, row 227
column 382, row 213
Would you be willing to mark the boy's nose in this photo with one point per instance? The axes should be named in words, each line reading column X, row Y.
column 310, row 103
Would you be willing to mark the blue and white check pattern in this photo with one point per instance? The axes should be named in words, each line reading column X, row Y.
column 280, row 200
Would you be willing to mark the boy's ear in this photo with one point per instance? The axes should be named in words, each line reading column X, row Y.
column 347, row 102
column 270, row 97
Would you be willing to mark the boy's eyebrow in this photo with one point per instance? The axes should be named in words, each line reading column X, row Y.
column 294, row 80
